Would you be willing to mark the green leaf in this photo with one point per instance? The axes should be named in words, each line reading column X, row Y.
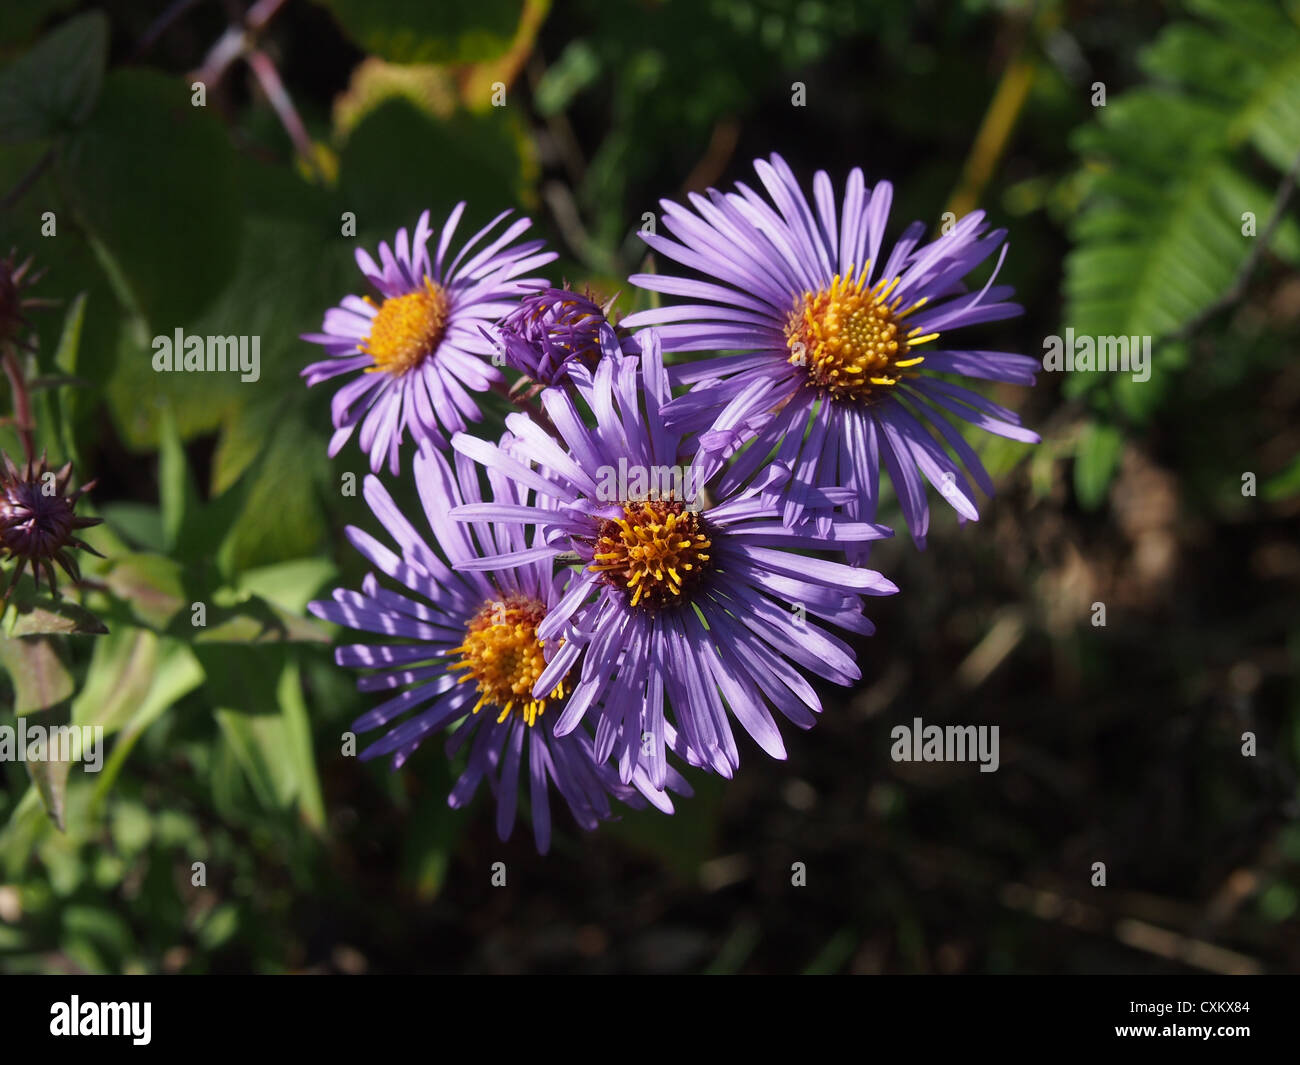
column 274, row 750
column 41, row 684
column 1165, row 227
column 151, row 584
column 52, row 88
column 100, row 926
column 32, row 612
column 176, row 674
column 218, row 925
column 491, row 146
column 252, row 620
column 1095, row 463
column 415, row 31
column 62, row 617
column 297, row 734
column 140, row 523
column 50, row 776
column 65, row 355
column 193, row 530
column 282, row 517
column 177, row 494
column 169, row 227
column 121, row 674
column 41, row 681
column 290, row 585
column 240, row 677
column 1284, row 484
column 575, row 69
column 65, row 359
column 155, row 593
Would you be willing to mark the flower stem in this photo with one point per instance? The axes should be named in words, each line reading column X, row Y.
column 22, row 403
column 524, row 401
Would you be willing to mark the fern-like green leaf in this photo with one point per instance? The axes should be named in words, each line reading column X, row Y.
column 1162, row 233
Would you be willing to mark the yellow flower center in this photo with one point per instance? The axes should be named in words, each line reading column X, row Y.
column 850, row 340
column 656, row 550
column 502, row 654
column 407, row 329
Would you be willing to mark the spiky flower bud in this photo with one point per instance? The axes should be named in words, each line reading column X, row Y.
column 554, row 327
column 38, row 521
column 14, row 278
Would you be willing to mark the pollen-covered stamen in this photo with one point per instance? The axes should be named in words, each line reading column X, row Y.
column 657, row 551
column 407, row 329
column 849, row 338
column 502, row 655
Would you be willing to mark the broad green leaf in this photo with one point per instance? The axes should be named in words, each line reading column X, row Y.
column 52, row 88
column 45, row 615
column 386, row 195
column 140, row 523
column 429, row 87
column 241, row 677
column 274, row 750
column 171, row 226
column 415, row 31
column 252, row 620
column 282, row 516
column 121, row 673
column 33, row 611
column 290, row 585
column 151, row 584
column 154, row 592
column 40, row 679
column 177, row 673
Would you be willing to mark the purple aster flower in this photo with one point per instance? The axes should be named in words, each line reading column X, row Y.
column 555, row 327
column 678, row 603
column 420, row 350
column 829, row 368
column 464, row 647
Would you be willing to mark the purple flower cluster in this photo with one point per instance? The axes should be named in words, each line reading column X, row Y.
column 651, row 553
